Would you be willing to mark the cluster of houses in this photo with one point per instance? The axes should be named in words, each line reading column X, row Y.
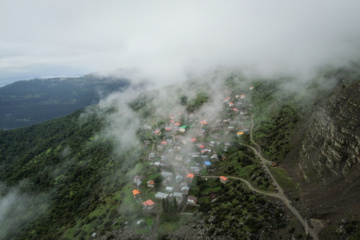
column 181, row 152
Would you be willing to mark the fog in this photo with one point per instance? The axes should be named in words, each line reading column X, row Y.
column 168, row 41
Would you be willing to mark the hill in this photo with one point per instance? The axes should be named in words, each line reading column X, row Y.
column 288, row 156
column 25, row 103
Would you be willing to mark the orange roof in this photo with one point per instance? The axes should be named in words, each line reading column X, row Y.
column 136, row 192
column 164, row 142
column 151, row 182
column 223, row 178
column 190, row 175
column 193, row 139
column 240, row 133
column 231, row 104
column 177, row 124
column 203, row 122
column 226, row 99
column 148, row 202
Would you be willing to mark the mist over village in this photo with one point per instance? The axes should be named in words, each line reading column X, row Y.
column 179, row 120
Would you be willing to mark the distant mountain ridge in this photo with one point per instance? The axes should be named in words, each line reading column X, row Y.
column 29, row 102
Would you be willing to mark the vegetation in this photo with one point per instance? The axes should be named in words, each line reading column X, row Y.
column 25, row 103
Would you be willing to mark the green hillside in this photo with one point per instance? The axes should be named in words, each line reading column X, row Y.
column 25, row 103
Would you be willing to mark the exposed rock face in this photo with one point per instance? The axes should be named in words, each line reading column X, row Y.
column 331, row 144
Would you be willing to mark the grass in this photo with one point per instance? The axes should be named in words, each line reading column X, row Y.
column 284, row 180
column 168, row 227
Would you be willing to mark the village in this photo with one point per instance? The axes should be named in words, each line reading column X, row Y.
column 185, row 147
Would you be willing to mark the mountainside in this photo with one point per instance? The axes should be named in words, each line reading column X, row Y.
column 224, row 158
column 315, row 137
column 25, row 103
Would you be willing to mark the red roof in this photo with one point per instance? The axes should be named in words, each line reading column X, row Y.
column 193, row 140
column 151, row 182
column 235, row 109
column 223, row 178
column 227, row 99
column 148, row 203
column 167, row 129
column 203, row 122
column 231, row 104
column 190, row 175
column 163, row 142
column 177, row 124
column 135, row 192
column 201, row 146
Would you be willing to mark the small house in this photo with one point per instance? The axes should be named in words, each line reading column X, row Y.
column 147, row 127
column 214, row 158
column 207, row 164
column 185, row 190
column 151, row 156
column 195, row 170
column 178, row 196
column 251, row 88
column 192, row 199
column 166, row 174
column 151, row 183
column 136, row 193
column 242, row 96
column 179, row 178
column 189, row 178
column 161, row 195
column 160, row 147
column 169, row 189
column 224, row 179
column 148, row 205
column 137, row 178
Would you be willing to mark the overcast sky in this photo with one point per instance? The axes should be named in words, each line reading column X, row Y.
column 167, row 40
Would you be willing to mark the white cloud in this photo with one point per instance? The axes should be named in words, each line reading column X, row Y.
column 166, row 40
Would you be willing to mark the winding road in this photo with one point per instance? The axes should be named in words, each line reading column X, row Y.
column 280, row 194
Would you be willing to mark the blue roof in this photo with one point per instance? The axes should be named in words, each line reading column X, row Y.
column 207, row 163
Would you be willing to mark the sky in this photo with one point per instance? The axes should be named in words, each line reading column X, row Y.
column 167, row 41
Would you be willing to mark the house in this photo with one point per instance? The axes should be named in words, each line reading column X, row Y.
column 214, row 158
column 151, row 156
column 178, row 196
column 207, row 164
column 230, row 128
column 151, row 183
column 205, row 157
column 212, row 143
column 182, row 129
column 169, row 189
column 164, row 143
column 192, row 199
column 148, row 205
column 227, row 144
column 136, row 193
column 179, row 178
column 227, row 99
column 189, row 178
column 195, row 170
column 161, row 195
column 147, row 142
column 166, row 174
column 251, row 88
column 147, row 127
column 168, row 129
column 239, row 133
column 242, row 96
column 223, row 179
column 203, row 122
column 185, row 190
column 193, row 140
column 178, row 157
column 160, row 147
column 137, row 178
column 157, row 132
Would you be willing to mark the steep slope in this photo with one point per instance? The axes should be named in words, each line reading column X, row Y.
column 313, row 134
column 25, row 103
